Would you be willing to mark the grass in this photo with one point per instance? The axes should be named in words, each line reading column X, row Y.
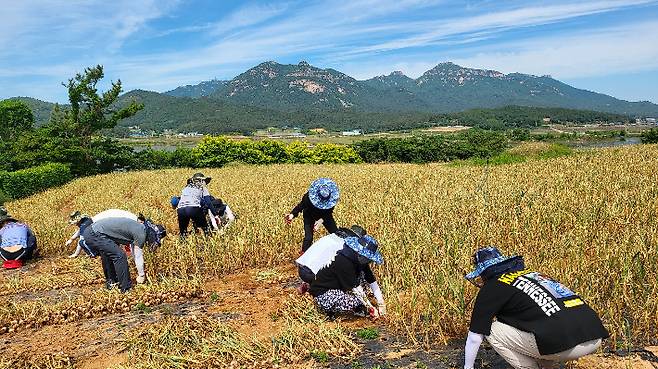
column 587, row 219
column 368, row 333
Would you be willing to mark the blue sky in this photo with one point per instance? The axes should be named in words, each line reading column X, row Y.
column 602, row 45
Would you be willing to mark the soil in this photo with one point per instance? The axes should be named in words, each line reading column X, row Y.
column 247, row 301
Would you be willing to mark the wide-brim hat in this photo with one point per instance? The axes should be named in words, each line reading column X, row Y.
column 200, row 176
column 487, row 258
column 4, row 215
column 154, row 233
column 365, row 246
column 323, row 193
column 76, row 216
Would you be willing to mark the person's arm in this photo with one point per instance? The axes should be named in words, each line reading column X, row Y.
column 206, row 200
column 473, row 342
column 379, row 296
column 301, row 206
column 73, row 237
column 139, row 236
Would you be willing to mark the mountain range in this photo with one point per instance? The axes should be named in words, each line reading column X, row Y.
column 273, row 94
column 445, row 88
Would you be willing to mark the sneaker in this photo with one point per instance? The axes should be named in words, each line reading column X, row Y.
column 111, row 284
column 303, row 288
column 141, row 279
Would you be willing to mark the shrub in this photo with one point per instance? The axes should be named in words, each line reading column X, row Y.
column 25, row 182
column 436, row 148
column 219, row 151
column 650, row 136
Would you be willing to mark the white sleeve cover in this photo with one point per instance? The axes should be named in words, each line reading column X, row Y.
column 75, row 235
column 138, row 255
column 473, row 342
column 377, row 292
column 361, row 294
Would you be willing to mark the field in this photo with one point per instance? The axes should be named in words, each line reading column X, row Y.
column 589, row 220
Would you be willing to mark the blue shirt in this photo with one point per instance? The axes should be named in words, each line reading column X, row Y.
column 13, row 234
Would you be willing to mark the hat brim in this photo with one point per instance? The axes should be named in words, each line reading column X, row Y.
column 319, row 202
column 353, row 243
column 482, row 267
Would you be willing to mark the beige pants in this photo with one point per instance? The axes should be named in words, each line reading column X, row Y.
column 519, row 348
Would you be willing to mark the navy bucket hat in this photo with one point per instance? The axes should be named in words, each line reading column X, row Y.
column 323, row 193
column 365, row 246
column 489, row 259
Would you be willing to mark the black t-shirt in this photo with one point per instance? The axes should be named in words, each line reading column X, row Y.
column 535, row 303
column 310, row 211
column 342, row 274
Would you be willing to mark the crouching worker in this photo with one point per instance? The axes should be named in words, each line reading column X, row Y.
column 104, row 237
column 338, row 287
column 17, row 241
column 323, row 252
column 190, row 204
column 538, row 321
column 317, row 207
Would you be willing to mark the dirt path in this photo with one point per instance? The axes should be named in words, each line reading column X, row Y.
column 249, row 302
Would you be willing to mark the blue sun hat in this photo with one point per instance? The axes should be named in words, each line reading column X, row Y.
column 365, row 246
column 489, row 259
column 323, row 193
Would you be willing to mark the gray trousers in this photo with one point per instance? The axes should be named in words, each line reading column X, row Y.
column 519, row 348
column 113, row 258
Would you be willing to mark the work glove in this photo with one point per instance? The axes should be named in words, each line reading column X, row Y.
column 317, row 225
column 68, row 242
column 381, row 308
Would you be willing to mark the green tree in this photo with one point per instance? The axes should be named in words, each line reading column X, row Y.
column 650, row 136
column 15, row 119
column 92, row 111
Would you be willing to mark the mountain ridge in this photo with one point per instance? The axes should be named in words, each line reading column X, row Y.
column 445, row 88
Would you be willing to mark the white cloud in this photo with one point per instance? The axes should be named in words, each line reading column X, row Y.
column 593, row 53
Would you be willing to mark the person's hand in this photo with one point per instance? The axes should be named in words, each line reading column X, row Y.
column 374, row 314
column 381, row 308
column 289, row 218
column 73, row 255
column 317, row 225
column 68, row 242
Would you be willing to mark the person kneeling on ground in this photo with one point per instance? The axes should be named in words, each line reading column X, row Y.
column 17, row 241
column 338, row 287
column 538, row 321
column 104, row 237
column 323, row 252
column 317, row 204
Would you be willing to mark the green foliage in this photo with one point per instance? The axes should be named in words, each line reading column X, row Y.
column 218, row 151
column 23, row 183
column 432, row 148
column 525, row 117
column 91, row 111
column 650, row 136
column 556, row 151
column 368, row 333
column 320, row 356
column 15, row 118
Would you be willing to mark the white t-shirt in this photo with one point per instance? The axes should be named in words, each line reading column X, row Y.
column 114, row 213
column 321, row 253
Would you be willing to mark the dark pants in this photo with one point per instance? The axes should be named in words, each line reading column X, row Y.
column 328, row 222
column 198, row 217
column 22, row 254
column 113, row 258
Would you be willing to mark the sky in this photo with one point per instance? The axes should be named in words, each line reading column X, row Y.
column 608, row 46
